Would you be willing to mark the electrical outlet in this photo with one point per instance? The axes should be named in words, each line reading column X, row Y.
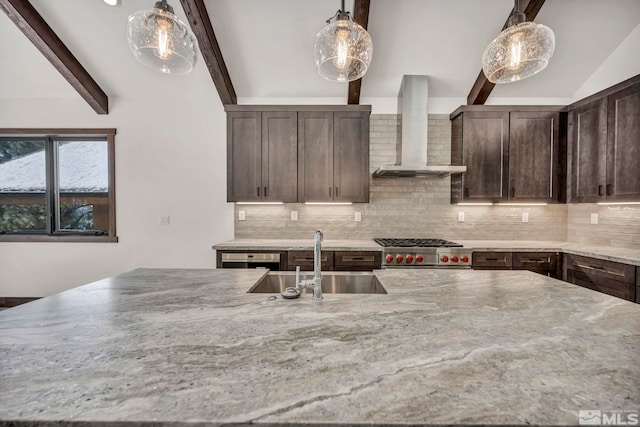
column 594, row 218
column 294, row 215
column 165, row 220
column 525, row 216
column 241, row 216
column 460, row 216
column 358, row 216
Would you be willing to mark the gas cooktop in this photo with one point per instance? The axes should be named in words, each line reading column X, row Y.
column 415, row 243
column 403, row 253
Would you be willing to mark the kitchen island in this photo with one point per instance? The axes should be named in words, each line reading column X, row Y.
column 442, row 347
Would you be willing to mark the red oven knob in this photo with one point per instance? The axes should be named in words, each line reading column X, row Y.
column 465, row 259
column 444, row 259
column 454, row 259
column 399, row 258
column 409, row 259
column 419, row 258
column 389, row 258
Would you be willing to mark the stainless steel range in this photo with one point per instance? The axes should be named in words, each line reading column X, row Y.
column 423, row 253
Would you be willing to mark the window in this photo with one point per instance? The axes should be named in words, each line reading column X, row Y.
column 57, row 185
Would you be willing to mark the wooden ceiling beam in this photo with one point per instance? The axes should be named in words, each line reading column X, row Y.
column 361, row 16
column 201, row 26
column 482, row 87
column 29, row 21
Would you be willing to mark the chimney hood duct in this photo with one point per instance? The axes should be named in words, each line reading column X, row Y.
column 412, row 104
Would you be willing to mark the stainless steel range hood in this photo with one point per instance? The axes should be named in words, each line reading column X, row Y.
column 412, row 104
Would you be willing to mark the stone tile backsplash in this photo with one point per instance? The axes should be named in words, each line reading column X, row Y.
column 618, row 225
column 405, row 207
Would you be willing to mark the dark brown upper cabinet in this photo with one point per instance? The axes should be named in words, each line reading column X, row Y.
column 262, row 157
column 333, row 156
column 297, row 153
column 512, row 154
column 604, row 131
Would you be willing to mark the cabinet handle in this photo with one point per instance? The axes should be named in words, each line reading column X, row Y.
column 258, row 191
column 357, row 258
column 536, row 260
column 491, row 259
column 336, row 191
column 329, row 191
column 513, row 192
column 265, row 191
column 600, row 192
column 597, row 267
column 609, row 189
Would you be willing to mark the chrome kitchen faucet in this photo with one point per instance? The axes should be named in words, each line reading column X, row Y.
column 316, row 282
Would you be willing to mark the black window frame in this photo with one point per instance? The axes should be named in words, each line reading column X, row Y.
column 52, row 137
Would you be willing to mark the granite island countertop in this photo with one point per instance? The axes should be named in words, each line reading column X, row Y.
column 442, row 347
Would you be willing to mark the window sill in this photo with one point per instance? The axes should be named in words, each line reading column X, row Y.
column 47, row 238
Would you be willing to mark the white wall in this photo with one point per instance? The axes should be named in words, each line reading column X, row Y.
column 622, row 64
column 170, row 160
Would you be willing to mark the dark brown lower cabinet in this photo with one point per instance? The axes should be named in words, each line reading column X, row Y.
column 546, row 263
column 612, row 278
column 492, row 260
column 638, row 284
column 304, row 260
column 336, row 260
column 357, row 260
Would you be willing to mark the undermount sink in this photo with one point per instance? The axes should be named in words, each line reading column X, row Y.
column 275, row 282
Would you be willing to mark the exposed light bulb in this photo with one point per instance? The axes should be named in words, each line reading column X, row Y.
column 342, row 48
column 112, row 2
column 164, row 27
column 515, row 52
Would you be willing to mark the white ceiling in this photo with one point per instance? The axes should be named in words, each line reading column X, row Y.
column 268, row 47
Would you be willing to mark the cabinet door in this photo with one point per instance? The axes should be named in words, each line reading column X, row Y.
column 492, row 260
column 547, row 263
column 315, row 156
column 244, row 156
column 609, row 277
column 351, row 156
column 279, row 156
column 623, row 145
column 485, row 153
column 533, row 156
column 304, row 260
column 357, row 260
column 588, row 136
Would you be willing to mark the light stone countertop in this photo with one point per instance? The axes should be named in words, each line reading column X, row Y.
column 443, row 347
column 624, row 255
column 297, row 244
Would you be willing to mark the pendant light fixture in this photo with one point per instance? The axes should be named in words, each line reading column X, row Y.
column 343, row 49
column 161, row 41
column 520, row 51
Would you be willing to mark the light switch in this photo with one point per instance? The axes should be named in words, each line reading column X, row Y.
column 594, row 218
column 241, row 216
column 358, row 217
column 460, row 216
column 165, row 220
column 525, row 216
column 294, row 215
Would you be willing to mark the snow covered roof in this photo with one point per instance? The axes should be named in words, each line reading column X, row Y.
column 83, row 168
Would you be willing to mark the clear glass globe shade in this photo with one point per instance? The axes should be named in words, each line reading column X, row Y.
column 518, row 52
column 343, row 51
column 162, row 42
